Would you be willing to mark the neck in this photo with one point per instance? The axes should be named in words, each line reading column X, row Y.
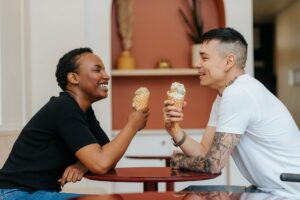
column 231, row 79
column 79, row 98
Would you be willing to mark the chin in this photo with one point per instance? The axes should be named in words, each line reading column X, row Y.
column 103, row 96
column 202, row 83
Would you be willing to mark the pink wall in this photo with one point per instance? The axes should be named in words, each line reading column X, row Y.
column 196, row 113
column 159, row 32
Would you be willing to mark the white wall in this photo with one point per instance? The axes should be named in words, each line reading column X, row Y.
column 11, row 98
column 34, row 35
column 56, row 27
column 239, row 15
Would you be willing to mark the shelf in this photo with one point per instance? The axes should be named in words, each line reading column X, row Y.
column 155, row 72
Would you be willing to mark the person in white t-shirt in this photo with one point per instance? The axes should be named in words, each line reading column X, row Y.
column 246, row 121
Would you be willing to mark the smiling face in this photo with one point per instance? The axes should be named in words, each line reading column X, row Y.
column 213, row 65
column 92, row 80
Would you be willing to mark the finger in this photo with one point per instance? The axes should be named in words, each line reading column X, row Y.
column 175, row 114
column 169, row 102
column 70, row 175
column 133, row 108
column 184, row 104
column 172, row 108
column 175, row 119
column 75, row 177
column 80, row 176
column 147, row 115
column 63, row 178
column 145, row 110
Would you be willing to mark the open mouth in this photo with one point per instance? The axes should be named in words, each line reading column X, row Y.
column 103, row 86
column 201, row 74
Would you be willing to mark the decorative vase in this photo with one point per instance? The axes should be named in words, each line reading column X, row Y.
column 125, row 61
column 195, row 55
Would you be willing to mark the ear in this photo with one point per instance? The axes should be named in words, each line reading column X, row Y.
column 73, row 78
column 230, row 61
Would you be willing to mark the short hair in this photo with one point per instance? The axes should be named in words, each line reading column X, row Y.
column 230, row 41
column 68, row 63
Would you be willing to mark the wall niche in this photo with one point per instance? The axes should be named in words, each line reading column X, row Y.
column 160, row 33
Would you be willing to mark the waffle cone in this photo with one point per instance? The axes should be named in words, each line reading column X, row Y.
column 178, row 103
column 141, row 98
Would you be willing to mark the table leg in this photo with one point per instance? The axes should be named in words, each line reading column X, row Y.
column 168, row 162
column 170, row 186
column 151, row 186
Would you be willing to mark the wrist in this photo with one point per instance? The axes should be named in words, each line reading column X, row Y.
column 179, row 140
column 131, row 127
column 173, row 131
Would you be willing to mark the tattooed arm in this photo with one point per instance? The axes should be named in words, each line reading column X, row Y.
column 215, row 159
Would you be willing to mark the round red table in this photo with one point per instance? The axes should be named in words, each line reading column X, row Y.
column 169, row 185
column 150, row 176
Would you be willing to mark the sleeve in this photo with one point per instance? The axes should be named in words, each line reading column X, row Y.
column 235, row 111
column 96, row 128
column 73, row 127
column 213, row 113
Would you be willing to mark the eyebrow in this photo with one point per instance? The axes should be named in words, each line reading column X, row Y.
column 99, row 66
column 203, row 54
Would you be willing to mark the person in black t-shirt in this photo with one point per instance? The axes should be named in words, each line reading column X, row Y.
column 64, row 140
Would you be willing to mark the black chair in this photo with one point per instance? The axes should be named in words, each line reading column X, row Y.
column 213, row 188
column 290, row 177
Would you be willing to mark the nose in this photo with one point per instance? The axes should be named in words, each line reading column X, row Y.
column 105, row 75
column 198, row 65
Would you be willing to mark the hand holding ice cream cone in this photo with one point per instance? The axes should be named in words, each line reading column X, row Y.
column 177, row 95
column 141, row 99
column 140, row 112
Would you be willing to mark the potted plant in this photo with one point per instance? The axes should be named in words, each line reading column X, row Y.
column 125, row 22
column 194, row 24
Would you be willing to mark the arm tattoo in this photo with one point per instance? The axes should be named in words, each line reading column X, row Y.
column 215, row 159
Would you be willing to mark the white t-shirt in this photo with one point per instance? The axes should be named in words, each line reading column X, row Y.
column 270, row 139
column 261, row 196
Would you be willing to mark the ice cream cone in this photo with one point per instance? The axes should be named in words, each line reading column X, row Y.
column 177, row 94
column 141, row 98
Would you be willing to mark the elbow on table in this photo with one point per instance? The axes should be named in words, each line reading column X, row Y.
column 215, row 170
column 213, row 167
column 101, row 168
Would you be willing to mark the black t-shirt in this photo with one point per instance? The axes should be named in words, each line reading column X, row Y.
column 47, row 145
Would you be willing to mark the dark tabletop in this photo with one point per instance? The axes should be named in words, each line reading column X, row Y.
column 150, row 174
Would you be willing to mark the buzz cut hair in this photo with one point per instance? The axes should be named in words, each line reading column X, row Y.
column 231, row 41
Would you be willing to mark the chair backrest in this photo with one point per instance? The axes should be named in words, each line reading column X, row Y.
column 290, row 177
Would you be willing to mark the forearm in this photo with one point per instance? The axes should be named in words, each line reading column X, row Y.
column 115, row 149
column 215, row 159
column 195, row 163
column 101, row 159
column 192, row 147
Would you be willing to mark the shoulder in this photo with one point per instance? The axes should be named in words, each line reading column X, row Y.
column 235, row 93
column 239, row 96
column 62, row 106
column 241, row 90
